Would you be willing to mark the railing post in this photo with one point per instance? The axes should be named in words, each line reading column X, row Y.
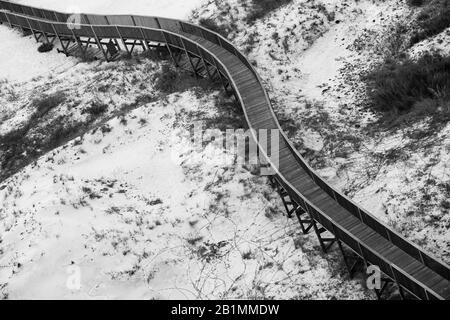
column 34, row 12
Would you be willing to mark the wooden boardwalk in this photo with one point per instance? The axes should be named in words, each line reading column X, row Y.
column 333, row 217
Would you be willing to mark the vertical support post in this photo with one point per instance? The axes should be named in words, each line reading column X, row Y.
column 99, row 44
column 305, row 224
column 144, row 42
column 283, row 193
column 400, row 289
column 348, row 260
column 9, row 21
column 308, row 222
column 32, row 30
column 132, row 47
column 123, row 40
column 379, row 292
column 319, row 232
column 205, row 65
column 220, row 76
column 34, row 12
column 168, row 47
column 189, row 58
column 80, row 45
column 117, row 43
column 43, row 32
column 215, row 66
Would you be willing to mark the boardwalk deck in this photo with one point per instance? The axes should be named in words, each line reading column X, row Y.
column 411, row 268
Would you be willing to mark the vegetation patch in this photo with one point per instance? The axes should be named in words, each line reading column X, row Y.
column 408, row 91
column 416, row 3
column 48, row 102
column 260, row 8
column 166, row 80
column 433, row 19
column 96, row 108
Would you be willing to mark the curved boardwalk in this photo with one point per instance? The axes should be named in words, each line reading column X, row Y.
column 319, row 208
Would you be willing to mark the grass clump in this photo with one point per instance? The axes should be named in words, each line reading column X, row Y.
column 411, row 90
column 45, row 47
column 48, row 102
column 167, row 79
column 260, row 8
column 96, row 108
column 434, row 18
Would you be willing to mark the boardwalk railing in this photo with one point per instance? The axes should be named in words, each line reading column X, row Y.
column 210, row 54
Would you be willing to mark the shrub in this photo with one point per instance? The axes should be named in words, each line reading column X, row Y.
column 45, row 47
column 417, row 87
column 60, row 133
column 434, row 19
column 13, row 137
column 166, row 79
column 96, row 108
column 46, row 103
column 260, row 8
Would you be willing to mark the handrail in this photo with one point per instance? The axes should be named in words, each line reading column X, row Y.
column 425, row 258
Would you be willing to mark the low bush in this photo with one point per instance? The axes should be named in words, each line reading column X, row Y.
column 166, row 79
column 411, row 88
column 45, row 47
column 434, row 18
column 397, row 86
column 96, row 108
column 48, row 102
column 260, row 8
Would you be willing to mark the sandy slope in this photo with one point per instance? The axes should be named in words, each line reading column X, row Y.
column 15, row 62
